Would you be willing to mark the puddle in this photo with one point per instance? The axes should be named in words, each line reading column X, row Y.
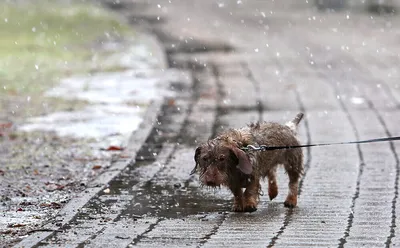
column 116, row 101
column 117, row 104
column 172, row 202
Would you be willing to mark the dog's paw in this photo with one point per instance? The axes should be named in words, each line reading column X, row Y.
column 272, row 192
column 291, row 202
column 237, row 208
column 250, row 208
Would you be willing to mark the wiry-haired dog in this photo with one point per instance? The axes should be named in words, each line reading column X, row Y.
column 221, row 161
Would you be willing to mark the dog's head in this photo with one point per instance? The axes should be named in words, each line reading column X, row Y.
column 217, row 161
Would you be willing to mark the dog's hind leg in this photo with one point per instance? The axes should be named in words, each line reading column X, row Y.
column 272, row 184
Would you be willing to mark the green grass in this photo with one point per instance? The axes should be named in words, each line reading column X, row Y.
column 43, row 42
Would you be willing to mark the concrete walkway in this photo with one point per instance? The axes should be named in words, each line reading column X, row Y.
column 245, row 61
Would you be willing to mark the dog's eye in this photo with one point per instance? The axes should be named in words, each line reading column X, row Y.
column 221, row 158
column 205, row 159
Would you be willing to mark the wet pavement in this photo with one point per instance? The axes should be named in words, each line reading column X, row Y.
column 247, row 61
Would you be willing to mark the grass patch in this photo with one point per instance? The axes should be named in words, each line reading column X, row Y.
column 48, row 40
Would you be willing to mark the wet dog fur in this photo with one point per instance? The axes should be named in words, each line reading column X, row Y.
column 222, row 162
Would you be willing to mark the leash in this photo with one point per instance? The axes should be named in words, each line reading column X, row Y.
column 271, row 148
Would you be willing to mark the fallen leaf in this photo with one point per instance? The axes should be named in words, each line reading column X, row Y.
column 12, row 136
column 25, row 203
column 35, row 172
column 2, row 173
column 96, row 167
column 171, row 102
column 5, row 125
column 16, row 225
column 114, row 148
column 19, row 209
column 53, row 186
column 54, row 205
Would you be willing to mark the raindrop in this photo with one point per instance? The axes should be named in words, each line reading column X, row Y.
column 37, row 67
column 263, row 14
column 221, row 5
column 28, row 99
column 5, row 20
column 239, row 2
column 278, row 54
column 159, row 6
column 337, row 96
column 379, row 86
column 34, row 29
column 158, row 18
column 347, row 17
column 256, row 50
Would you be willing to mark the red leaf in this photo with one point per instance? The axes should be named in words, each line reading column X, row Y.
column 96, row 167
column 5, row 125
column 171, row 102
column 114, row 148
column 2, row 173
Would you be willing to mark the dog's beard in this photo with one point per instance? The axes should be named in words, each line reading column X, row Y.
column 222, row 181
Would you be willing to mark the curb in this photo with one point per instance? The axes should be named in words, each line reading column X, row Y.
column 136, row 140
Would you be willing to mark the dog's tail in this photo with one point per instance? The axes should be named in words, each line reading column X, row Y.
column 295, row 122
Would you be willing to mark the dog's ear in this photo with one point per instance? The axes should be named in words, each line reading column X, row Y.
column 244, row 164
column 196, row 159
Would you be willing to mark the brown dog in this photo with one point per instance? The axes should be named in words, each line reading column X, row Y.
column 221, row 161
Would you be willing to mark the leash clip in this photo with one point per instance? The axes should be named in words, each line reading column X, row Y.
column 255, row 148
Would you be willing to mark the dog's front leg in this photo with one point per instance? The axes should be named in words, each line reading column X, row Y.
column 251, row 195
column 238, row 199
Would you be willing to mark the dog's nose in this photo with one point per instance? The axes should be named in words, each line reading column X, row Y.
column 211, row 183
